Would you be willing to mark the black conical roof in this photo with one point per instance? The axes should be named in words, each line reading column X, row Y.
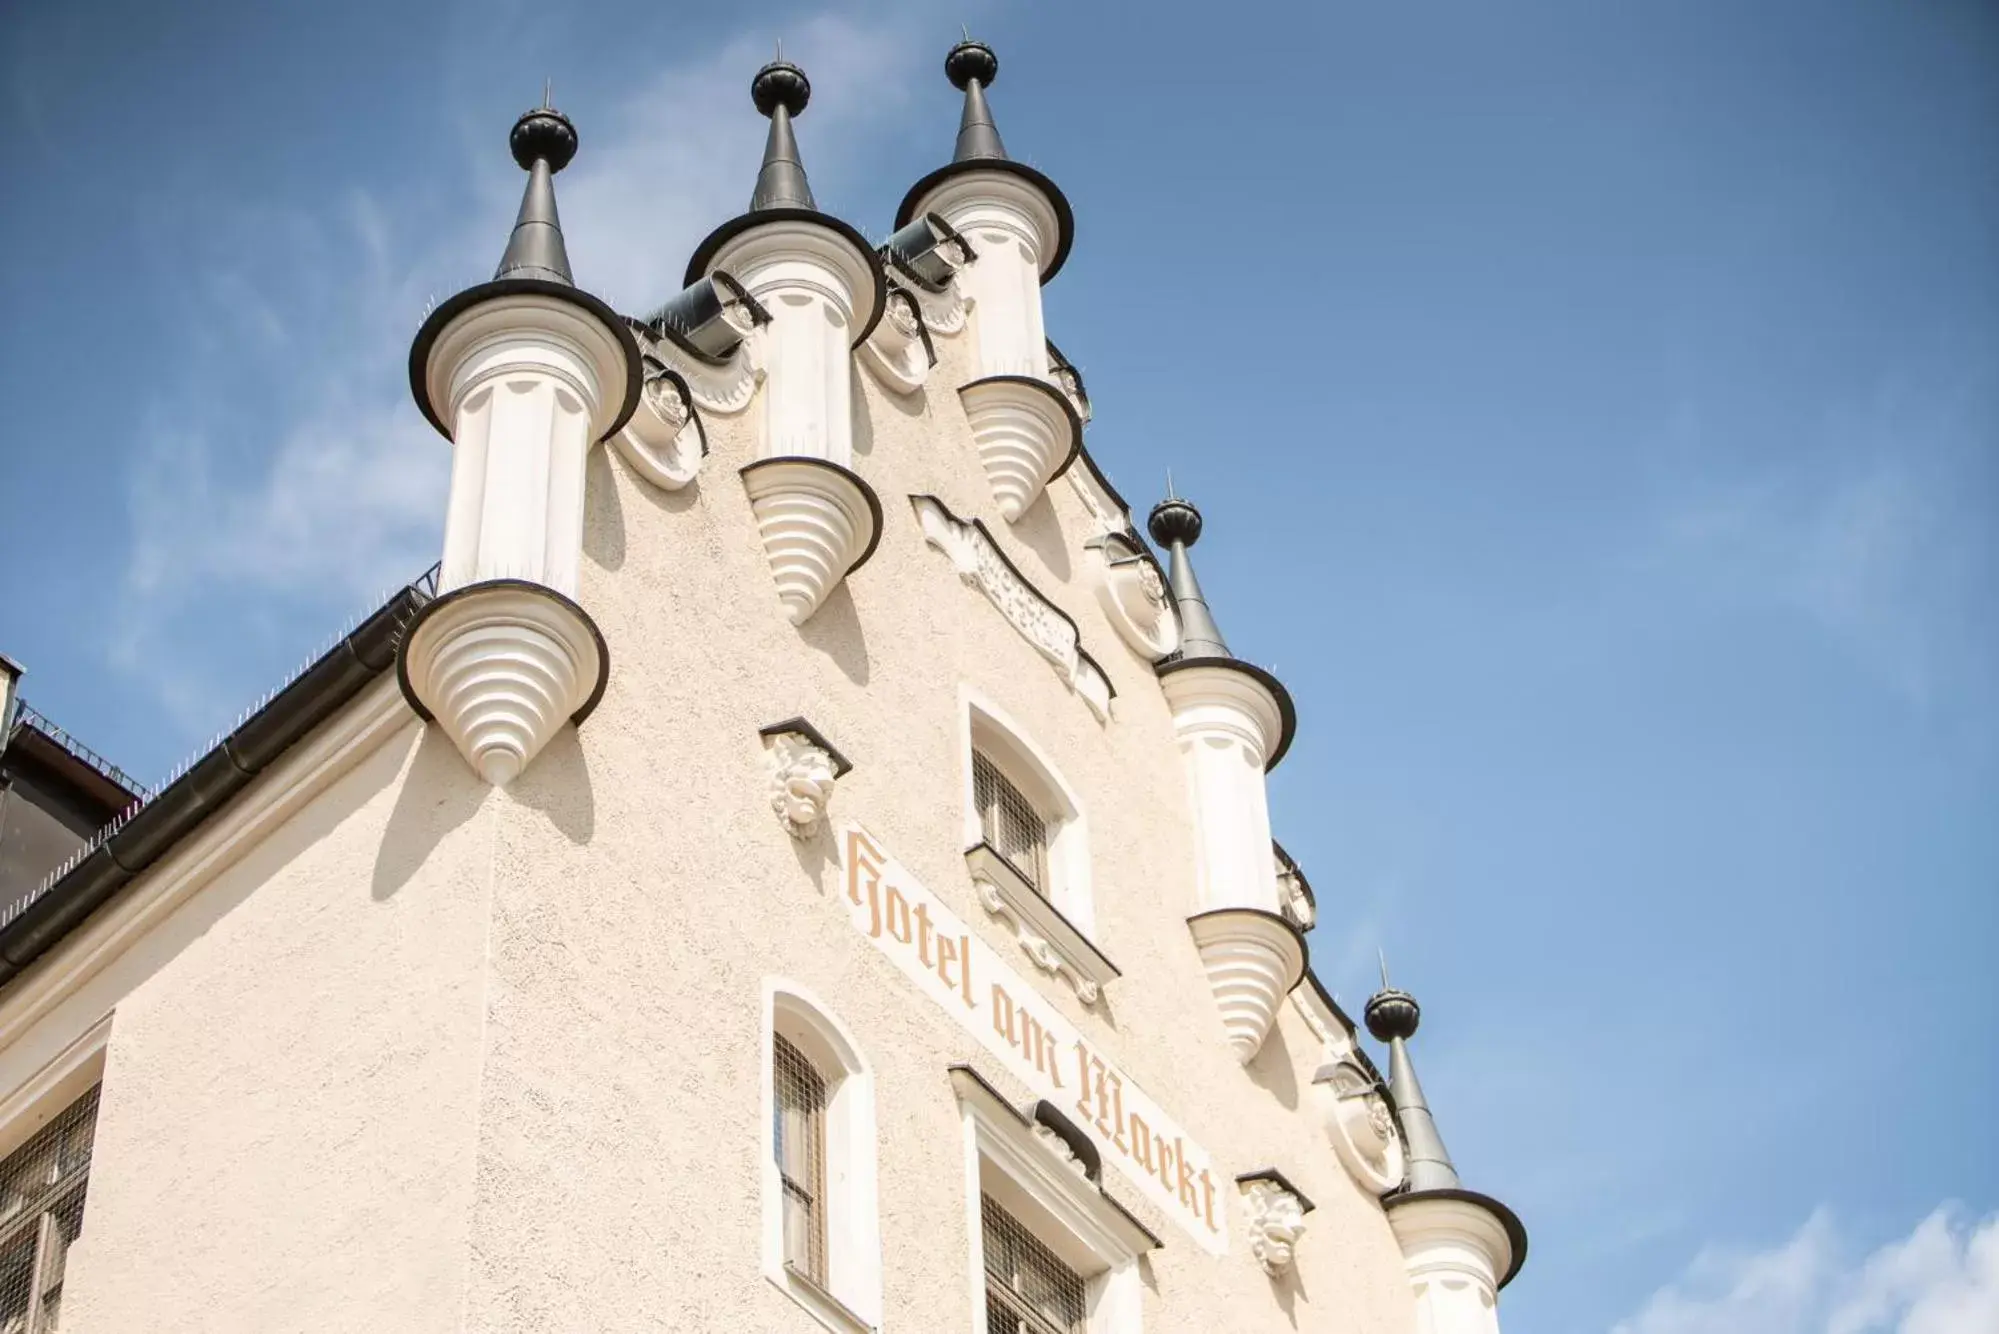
column 780, row 91
column 1176, row 525
column 971, row 67
column 543, row 142
column 536, row 261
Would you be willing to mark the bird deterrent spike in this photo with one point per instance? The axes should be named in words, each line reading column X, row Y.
column 1383, row 956
column 1169, row 485
column 547, row 94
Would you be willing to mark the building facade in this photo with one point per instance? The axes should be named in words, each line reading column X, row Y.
column 801, row 861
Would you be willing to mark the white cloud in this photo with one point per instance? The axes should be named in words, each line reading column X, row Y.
column 289, row 464
column 1943, row 1278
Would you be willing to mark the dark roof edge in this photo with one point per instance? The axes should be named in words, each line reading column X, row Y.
column 1353, row 1033
column 133, row 845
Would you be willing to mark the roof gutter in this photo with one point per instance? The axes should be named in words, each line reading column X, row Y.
column 131, row 845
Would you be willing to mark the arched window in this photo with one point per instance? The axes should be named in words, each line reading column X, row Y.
column 1017, row 804
column 1027, row 847
column 822, row 1242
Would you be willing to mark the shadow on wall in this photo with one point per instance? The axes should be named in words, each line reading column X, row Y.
column 439, row 794
column 1040, row 531
column 1272, row 1069
column 314, row 821
column 604, row 513
column 557, row 784
column 835, row 630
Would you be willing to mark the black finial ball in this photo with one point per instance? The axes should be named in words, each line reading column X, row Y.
column 970, row 60
column 780, row 84
column 1174, row 520
column 1392, row 1014
column 543, row 134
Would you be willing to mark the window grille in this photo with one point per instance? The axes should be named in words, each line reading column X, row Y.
column 1010, row 823
column 41, row 1213
column 1028, row 1289
column 798, row 1139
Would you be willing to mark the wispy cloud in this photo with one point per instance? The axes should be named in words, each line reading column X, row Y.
column 1943, row 1278
column 1877, row 531
column 288, row 464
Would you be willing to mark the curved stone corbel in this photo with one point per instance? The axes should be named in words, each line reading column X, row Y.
column 665, row 441
column 722, row 387
column 500, row 665
column 819, row 523
column 1253, row 958
column 898, row 352
column 1039, row 950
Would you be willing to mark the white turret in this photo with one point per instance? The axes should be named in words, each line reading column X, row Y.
column 523, row 374
column 1459, row 1247
column 822, row 285
column 1234, row 721
column 1018, row 228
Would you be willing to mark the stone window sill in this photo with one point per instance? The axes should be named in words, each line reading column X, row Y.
column 1049, row 938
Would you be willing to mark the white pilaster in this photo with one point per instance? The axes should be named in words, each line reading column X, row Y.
column 1455, row 1251
column 528, row 383
column 1012, row 227
column 815, row 284
column 1228, row 724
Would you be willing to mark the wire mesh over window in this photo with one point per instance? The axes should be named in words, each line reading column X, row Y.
column 798, row 1139
column 1028, row 1289
column 1009, row 822
column 41, row 1213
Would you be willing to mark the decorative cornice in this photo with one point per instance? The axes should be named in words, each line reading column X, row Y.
column 726, row 387
column 983, row 565
column 1295, row 897
column 1049, row 938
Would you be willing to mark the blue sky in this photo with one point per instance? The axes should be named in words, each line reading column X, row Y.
column 1595, row 409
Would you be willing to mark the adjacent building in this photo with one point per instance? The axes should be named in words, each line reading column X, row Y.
column 801, row 860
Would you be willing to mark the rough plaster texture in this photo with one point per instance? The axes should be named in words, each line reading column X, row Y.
column 438, row 1057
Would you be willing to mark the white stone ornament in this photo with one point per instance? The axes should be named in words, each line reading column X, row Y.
column 1026, row 433
column 1361, row 1125
column 1276, row 1221
column 1253, row 958
column 818, row 521
column 803, row 773
column 1132, row 595
column 1052, row 1140
column 980, row 564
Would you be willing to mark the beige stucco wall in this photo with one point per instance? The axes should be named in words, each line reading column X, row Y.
column 433, row 1057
